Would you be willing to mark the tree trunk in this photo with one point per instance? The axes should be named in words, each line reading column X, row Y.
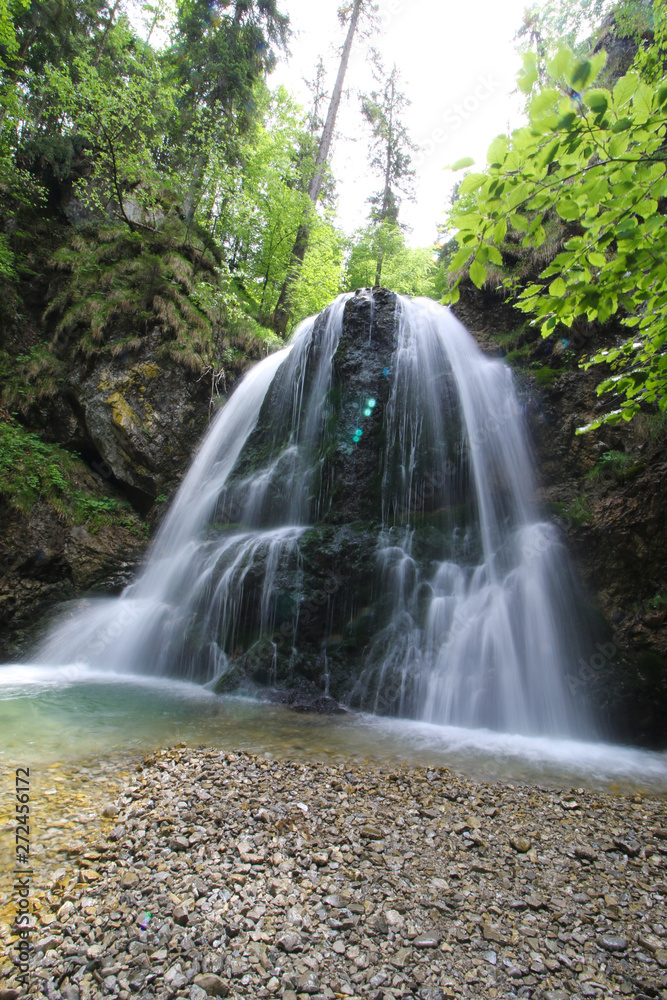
column 282, row 311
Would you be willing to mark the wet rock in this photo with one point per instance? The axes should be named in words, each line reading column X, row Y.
column 612, row 942
column 520, row 844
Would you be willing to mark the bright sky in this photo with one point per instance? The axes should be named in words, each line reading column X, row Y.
column 458, row 66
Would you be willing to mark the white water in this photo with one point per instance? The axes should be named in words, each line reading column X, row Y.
column 191, row 591
column 501, row 632
column 482, row 639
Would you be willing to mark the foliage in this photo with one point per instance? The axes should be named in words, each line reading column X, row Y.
column 320, row 275
column 405, row 270
column 610, row 463
column 596, row 160
column 118, row 285
column 33, row 472
column 390, row 147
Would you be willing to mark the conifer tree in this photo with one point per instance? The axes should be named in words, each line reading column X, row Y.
column 391, row 147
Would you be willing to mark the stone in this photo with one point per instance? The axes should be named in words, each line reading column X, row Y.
column 628, row 846
column 520, row 844
column 289, row 942
column 585, row 852
column 212, row 985
column 129, row 880
column 308, row 983
column 372, row 832
column 612, row 942
column 431, row 939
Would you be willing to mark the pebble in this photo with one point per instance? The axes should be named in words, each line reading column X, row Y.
column 612, row 942
column 225, row 874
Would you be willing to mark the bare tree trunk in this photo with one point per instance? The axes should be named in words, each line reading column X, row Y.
column 281, row 313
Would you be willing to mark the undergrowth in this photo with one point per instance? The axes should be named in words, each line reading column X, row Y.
column 33, row 471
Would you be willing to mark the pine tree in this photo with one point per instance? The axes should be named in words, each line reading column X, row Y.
column 391, row 147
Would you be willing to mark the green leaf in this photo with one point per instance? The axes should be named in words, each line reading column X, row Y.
column 519, row 222
column 497, row 151
column 471, row 182
column 477, row 273
column 500, row 231
column 465, row 161
column 597, row 101
column 597, row 259
column 528, row 75
column 461, row 258
column 581, row 74
column 557, row 288
column 622, row 125
column 495, row 256
column 568, row 209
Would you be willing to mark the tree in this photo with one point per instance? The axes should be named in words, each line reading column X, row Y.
column 352, row 15
column 596, row 160
column 405, row 270
column 390, row 148
column 220, row 52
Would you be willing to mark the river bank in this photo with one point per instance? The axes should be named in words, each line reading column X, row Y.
column 201, row 872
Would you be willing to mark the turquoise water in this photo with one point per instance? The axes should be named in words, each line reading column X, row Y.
column 76, row 714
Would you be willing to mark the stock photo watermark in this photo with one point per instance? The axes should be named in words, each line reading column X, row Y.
column 24, row 924
column 455, row 117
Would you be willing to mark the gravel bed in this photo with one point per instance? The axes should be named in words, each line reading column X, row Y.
column 232, row 875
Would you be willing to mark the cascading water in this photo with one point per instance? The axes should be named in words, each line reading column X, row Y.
column 463, row 611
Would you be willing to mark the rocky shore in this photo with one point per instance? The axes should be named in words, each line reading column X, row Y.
column 226, row 874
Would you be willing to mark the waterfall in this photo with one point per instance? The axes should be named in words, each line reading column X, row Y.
column 463, row 610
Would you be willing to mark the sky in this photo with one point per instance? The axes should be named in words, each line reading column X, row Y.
column 458, row 66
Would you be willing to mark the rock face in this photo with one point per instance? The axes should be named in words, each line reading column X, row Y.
column 136, row 418
column 44, row 561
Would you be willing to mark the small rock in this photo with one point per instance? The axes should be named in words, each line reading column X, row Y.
column 128, row 880
column 628, row 846
column 110, row 810
column 520, row 844
column 336, row 901
column 372, row 832
column 9, row 994
column 212, row 985
column 308, row 983
column 649, row 942
column 585, row 852
column 180, row 915
column 179, row 844
column 612, row 942
column 490, row 956
column 490, row 933
column 289, row 942
column 428, row 940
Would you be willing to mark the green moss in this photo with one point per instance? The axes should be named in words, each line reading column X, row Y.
column 614, row 464
column 577, row 511
column 546, row 376
column 32, row 472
